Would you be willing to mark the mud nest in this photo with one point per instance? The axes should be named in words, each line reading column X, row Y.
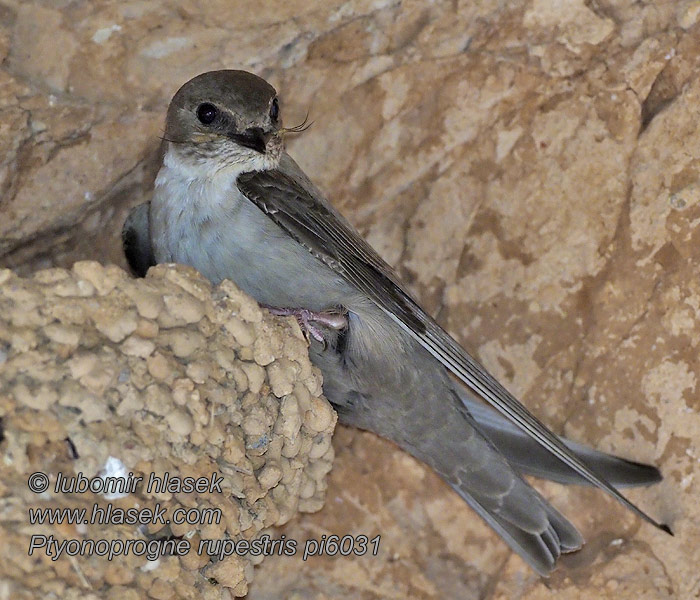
column 102, row 374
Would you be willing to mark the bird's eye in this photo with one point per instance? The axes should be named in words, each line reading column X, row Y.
column 206, row 113
column 274, row 110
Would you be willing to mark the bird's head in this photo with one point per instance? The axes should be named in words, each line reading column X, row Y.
column 231, row 118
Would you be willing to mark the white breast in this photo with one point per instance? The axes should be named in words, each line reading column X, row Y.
column 200, row 218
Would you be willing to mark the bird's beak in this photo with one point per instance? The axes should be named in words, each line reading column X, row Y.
column 253, row 137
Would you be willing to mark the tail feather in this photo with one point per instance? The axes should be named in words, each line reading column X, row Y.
column 530, row 458
column 539, row 549
column 483, row 477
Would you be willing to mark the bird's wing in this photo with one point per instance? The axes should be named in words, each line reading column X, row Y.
column 528, row 457
column 310, row 220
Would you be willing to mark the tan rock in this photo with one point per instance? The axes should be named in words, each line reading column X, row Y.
column 290, row 418
column 180, row 422
column 241, row 331
column 183, row 342
column 228, row 572
column 113, row 323
column 269, row 476
column 320, row 416
column 256, row 376
column 137, row 346
column 282, row 375
column 161, row 368
column 63, row 335
column 184, row 307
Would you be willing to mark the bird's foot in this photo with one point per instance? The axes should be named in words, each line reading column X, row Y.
column 308, row 319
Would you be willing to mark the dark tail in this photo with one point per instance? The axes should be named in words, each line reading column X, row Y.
column 539, row 549
column 531, row 458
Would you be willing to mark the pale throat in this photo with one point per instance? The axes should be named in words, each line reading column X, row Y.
column 195, row 196
column 227, row 164
column 194, row 180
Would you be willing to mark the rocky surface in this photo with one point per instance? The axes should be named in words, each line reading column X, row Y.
column 104, row 375
column 531, row 167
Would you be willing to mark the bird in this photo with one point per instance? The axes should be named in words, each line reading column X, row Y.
column 230, row 201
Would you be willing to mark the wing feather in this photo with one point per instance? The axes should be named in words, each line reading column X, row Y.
column 331, row 239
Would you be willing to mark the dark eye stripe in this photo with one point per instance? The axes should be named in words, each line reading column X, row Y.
column 275, row 110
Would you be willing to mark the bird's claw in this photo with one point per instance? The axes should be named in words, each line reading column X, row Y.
column 306, row 319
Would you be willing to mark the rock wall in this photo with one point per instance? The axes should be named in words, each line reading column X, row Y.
column 531, row 167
